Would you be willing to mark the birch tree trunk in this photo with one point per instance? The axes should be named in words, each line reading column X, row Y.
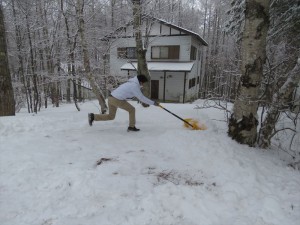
column 140, row 50
column 7, row 103
column 86, row 59
column 278, row 103
column 243, row 122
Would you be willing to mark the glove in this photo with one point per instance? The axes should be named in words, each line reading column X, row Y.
column 144, row 105
column 156, row 103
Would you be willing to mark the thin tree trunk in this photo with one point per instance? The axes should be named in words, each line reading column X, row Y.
column 140, row 50
column 71, row 44
column 68, row 94
column 278, row 103
column 32, row 69
column 243, row 122
column 86, row 58
column 113, row 3
column 203, row 58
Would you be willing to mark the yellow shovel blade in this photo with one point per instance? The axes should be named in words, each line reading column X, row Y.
column 196, row 124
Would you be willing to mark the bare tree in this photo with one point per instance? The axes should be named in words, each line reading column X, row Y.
column 279, row 103
column 281, row 77
column 243, row 122
column 86, row 58
column 48, row 54
column 140, row 48
column 7, row 103
column 20, row 79
column 71, row 46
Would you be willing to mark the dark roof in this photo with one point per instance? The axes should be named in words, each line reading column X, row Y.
column 123, row 28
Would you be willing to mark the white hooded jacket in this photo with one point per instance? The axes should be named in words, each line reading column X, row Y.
column 129, row 90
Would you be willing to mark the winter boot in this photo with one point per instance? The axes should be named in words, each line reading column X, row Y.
column 133, row 129
column 91, row 118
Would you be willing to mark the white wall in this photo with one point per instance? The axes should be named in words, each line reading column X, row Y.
column 116, row 63
column 183, row 41
column 174, row 84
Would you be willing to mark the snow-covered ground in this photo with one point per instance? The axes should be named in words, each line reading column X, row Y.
column 57, row 170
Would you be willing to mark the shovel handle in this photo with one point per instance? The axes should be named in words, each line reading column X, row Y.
column 176, row 116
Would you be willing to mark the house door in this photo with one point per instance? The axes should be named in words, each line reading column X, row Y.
column 154, row 89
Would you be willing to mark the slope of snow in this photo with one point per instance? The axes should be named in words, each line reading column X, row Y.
column 165, row 174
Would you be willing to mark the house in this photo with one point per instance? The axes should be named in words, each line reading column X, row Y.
column 173, row 58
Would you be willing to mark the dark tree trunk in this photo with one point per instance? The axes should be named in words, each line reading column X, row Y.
column 7, row 103
column 140, row 50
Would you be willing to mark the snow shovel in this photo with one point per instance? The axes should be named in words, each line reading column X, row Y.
column 187, row 122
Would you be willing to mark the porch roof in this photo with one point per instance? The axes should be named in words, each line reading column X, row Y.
column 162, row 66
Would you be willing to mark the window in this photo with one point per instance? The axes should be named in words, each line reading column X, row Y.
column 192, row 82
column 165, row 52
column 193, row 55
column 121, row 53
column 127, row 53
column 131, row 53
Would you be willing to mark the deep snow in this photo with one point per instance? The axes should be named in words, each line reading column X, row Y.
column 165, row 174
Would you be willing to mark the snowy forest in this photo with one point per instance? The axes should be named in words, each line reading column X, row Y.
column 55, row 48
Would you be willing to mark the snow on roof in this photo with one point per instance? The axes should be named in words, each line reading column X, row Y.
column 162, row 66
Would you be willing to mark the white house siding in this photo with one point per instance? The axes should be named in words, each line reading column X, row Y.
column 192, row 92
column 174, row 31
column 115, row 62
column 165, row 30
column 155, row 29
column 173, row 87
column 183, row 41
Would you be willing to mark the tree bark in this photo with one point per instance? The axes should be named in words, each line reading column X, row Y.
column 7, row 103
column 86, row 59
column 71, row 45
column 32, row 66
column 278, row 103
column 140, row 49
column 20, row 45
column 243, row 122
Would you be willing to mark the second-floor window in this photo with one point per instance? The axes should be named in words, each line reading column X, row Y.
column 127, row 53
column 193, row 55
column 165, row 52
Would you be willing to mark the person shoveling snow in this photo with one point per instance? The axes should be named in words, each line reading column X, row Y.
column 118, row 99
